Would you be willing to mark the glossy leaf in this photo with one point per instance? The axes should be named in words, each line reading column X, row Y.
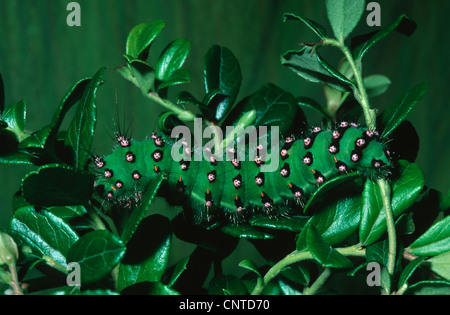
column 314, row 26
column 273, row 106
column 180, row 76
column 246, row 232
column 344, row 15
column 178, row 270
column 323, row 252
column 338, row 219
column 397, row 111
column 141, row 37
column 404, row 192
column 172, row 59
column 434, row 241
column 222, row 76
column 361, row 44
column 409, row 270
column 57, row 185
column 48, row 236
column 322, row 191
column 292, row 223
column 146, row 263
column 250, row 265
column 15, row 115
column 81, row 130
column 72, row 96
column 97, row 252
column 139, row 212
column 306, row 63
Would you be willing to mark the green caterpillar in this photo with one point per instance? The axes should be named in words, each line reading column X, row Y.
column 217, row 190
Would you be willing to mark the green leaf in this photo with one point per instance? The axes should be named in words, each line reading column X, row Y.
column 141, row 37
column 74, row 94
column 139, row 212
column 430, row 287
column 47, row 235
column 292, row 223
column 434, row 241
column 273, row 106
column 36, row 139
column 146, row 263
column 143, row 75
column 226, row 285
column 307, row 64
column 404, row 192
column 57, row 185
column 172, row 59
column 246, row 232
column 314, row 26
column 97, row 252
column 338, row 219
column 15, row 115
column 323, row 252
column 222, row 76
column 8, row 250
column 180, row 76
column 344, row 15
column 81, row 130
column 376, row 84
column 179, row 268
column 440, row 264
column 321, row 192
column 250, row 265
column 361, row 44
column 397, row 111
column 408, row 271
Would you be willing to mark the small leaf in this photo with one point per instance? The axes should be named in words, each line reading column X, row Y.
column 324, row 253
column 376, row 84
column 222, row 76
column 14, row 115
column 434, row 241
column 306, row 63
column 8, row 250
column 179, row 268
column 139, row 212
column 172, row 59
column 57, row 185
column 273, row 107
column 250, row 265
column 81, row 130
column 361, row 44
column 246, row 232
column 141, row 37
column 314, row 26
column 143, row 75
column 397, row 111
column 292, row 224
column 97, row 252
column 344, row 15
column 180, row 76
column 408, row 271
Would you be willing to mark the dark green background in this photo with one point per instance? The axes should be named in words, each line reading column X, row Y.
column 41, row 58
